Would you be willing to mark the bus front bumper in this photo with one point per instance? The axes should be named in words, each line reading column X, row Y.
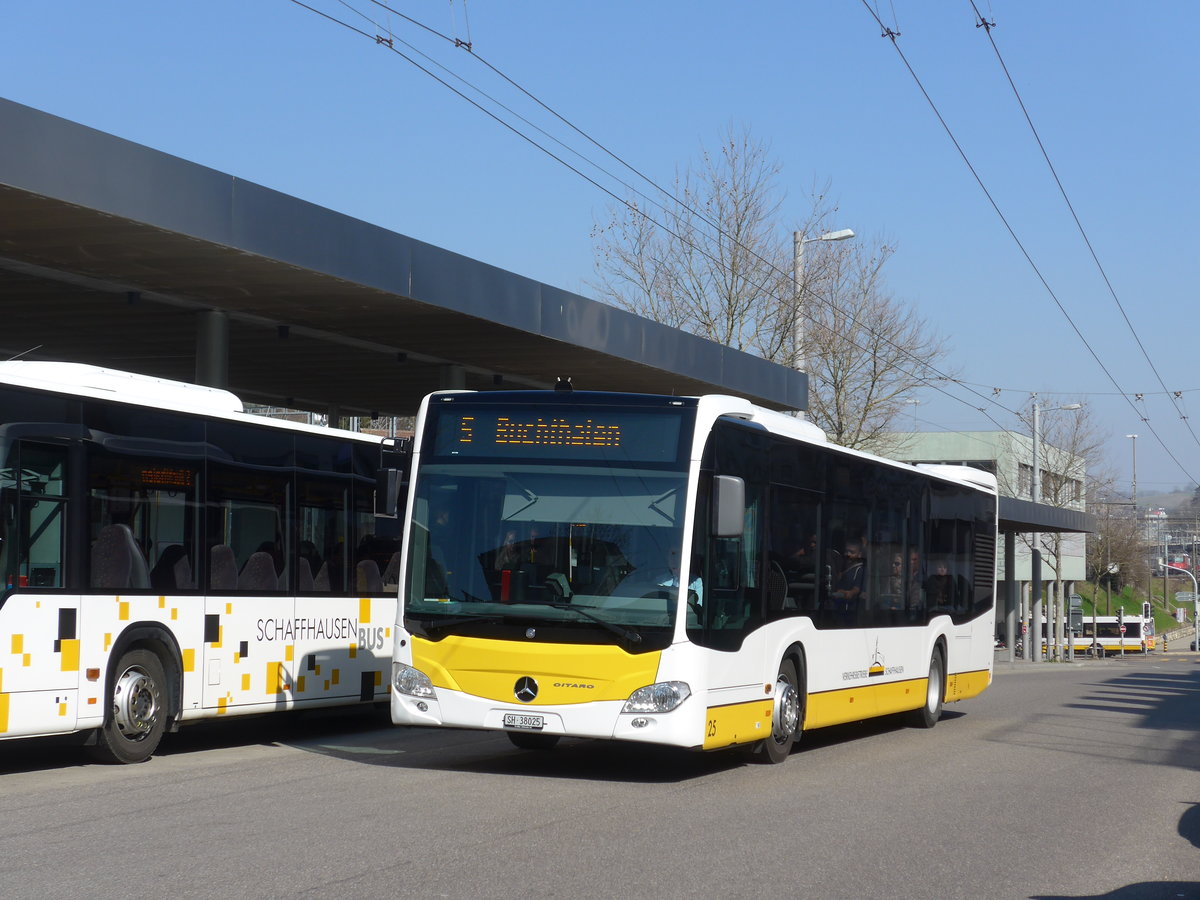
column 680, row 727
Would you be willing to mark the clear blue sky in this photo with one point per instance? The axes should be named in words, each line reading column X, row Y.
column 270, row 92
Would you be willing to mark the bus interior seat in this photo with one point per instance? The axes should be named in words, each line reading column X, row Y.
column 777, row 587
column 117, row 561
column 172, row 572
column 222, row 569
column 304, row 574
column 391, row 573
column 367, row 577
column 803, row 591
column 183, row 574
column 613, row 567
column 321, row 582
column 259, row 573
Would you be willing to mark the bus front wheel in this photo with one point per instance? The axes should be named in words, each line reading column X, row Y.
column 137, row 714
column 787, row 716
column 935, row 692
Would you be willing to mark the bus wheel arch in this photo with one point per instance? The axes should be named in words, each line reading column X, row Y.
column 142, row 696
column 788, row 709
column 927, row 715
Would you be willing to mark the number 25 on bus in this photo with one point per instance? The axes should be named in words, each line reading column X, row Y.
column 693, row 572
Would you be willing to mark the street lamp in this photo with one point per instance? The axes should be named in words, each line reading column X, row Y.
column 798, row 242
column 1035, row 561
column 1133, row 477
column 1195, row 597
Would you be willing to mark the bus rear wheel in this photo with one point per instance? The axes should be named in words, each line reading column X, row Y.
column 787, row 716
column 137, row 714
column 935, row 692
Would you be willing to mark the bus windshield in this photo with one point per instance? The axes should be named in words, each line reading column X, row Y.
column 580, row 548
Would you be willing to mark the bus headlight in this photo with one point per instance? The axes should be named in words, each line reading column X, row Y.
column 657, row 698
column 410, row 681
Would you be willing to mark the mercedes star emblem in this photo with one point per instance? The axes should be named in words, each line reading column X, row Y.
column 525, row 689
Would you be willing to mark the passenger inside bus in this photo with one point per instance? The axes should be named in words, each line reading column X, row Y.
column 892, row 597
column 848, row 589
column 940, row 588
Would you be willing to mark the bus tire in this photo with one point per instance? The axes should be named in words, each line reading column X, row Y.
column 787, row 716
column 137, row 711
column 935, row 693
column 532, row 740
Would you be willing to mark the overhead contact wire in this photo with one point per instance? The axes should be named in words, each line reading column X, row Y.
column 892, row 35
column 390, row 44
column 987, row 27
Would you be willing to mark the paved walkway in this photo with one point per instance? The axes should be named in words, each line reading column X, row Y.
column 1181, row 655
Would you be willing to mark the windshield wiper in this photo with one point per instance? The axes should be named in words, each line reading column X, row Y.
column 529, row 496
column 657, row 500
column 460, row 620
column 627, row 633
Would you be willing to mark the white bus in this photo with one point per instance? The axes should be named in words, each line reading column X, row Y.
column 167, row 557
column 695, row 572
column 1102, row 636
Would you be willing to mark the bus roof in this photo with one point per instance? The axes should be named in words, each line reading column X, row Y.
column 82, row 380
column 713, row 406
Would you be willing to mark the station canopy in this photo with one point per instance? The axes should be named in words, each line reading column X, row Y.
column 118, row 255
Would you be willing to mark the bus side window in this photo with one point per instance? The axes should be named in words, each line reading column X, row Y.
column 34, row 516
column 727, row 563
column 733, row 567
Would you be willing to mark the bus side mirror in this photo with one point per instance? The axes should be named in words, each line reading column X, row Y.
column 395, row 457
column 387, row 493
column 729, row 506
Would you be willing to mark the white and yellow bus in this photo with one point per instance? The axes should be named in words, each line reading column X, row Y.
column 167, row 557
column 694, row 572
column 1102, row 636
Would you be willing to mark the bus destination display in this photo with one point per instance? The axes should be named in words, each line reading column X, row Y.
column 562, row 434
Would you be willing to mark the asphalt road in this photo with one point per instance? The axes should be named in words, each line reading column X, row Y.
column 1060, row 781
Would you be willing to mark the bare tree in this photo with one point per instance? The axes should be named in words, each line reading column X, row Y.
column 717, row 262
column 713, row 261
column 1116, row 553
column 866, row 352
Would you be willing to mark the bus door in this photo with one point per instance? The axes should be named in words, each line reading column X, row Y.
column 39, row 660
column 327, row 612
column 249, row 610
column 344, row 613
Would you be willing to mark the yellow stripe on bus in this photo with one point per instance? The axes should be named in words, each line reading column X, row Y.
column 863, row 701
column 565, row 673
column 737, row 723
column 867, row 700
column 967, row 684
